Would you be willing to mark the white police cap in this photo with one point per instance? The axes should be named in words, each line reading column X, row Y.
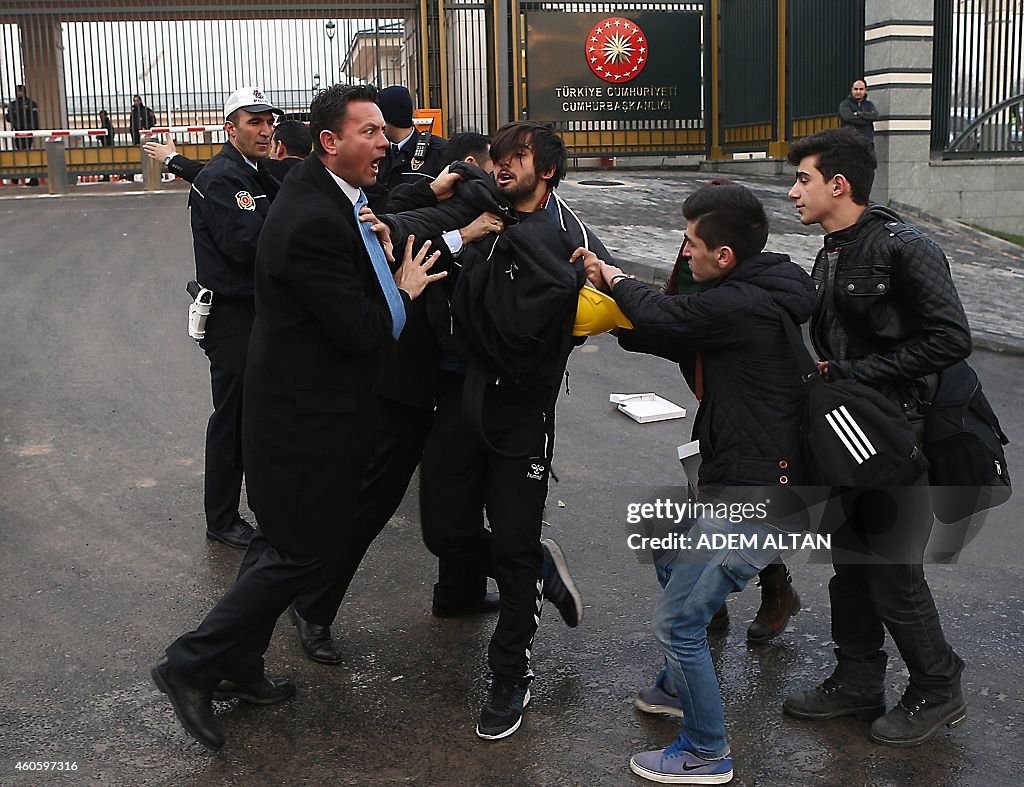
column 251, row 99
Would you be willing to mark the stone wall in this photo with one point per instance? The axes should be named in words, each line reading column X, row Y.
column 897, row 62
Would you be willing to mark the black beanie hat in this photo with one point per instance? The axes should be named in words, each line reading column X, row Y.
column 396, row 106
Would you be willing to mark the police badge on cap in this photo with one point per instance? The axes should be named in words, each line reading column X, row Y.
column 251, row 99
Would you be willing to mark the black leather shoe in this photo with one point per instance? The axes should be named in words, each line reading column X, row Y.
column 192, row 706
column 268, row 691
column 316, row 640
column 484, row 605
column 238, row 535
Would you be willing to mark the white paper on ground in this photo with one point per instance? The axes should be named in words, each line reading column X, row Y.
column 646, row 408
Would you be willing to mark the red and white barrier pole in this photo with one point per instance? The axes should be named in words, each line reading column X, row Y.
column 54, row 133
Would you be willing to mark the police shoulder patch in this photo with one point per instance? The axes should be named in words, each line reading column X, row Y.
column 245, row 200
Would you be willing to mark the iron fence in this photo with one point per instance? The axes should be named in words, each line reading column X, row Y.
column 978, row 86
column 183, row 59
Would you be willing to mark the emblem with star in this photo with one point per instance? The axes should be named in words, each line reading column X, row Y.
column 616, row 50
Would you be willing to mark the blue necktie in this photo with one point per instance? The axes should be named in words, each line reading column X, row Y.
column 380, row 267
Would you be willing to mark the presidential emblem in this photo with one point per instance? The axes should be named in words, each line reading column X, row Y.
column 616, row 49
column 245, row 200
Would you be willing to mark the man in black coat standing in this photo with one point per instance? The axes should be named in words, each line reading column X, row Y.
column 327, row 308
column 857, row 112
column 888, row 316
column 142, row 118
column 23, row 115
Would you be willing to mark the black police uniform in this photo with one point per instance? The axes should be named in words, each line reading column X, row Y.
column 422, row 157
column 229, row 202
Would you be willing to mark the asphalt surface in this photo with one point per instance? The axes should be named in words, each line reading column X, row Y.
column 103, row 405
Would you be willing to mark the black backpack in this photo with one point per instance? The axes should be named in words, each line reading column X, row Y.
column 851, row 434
column 515, row 307
column 514, row 310
column 964, row 445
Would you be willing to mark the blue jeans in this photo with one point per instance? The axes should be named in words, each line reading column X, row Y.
column 696, row 582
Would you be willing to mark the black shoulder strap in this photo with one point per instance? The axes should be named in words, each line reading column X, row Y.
column 808, row 366
column 473, row 394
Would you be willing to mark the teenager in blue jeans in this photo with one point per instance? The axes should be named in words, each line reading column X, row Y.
column 748, row 424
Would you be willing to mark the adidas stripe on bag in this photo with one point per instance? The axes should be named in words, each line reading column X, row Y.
column 853, row 435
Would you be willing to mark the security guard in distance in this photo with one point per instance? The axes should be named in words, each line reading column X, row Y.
column 229, row 201
column 414, row 155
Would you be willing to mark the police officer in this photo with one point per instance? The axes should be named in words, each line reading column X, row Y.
column 229, row 200
column 413, row 156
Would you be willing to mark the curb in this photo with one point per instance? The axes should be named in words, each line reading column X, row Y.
column 979, row 236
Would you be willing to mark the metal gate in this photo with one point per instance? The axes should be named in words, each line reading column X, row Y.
column 781, row 70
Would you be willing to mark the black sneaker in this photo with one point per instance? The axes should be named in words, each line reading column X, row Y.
column 914, row 720
column 503, row 712
column 559, row 588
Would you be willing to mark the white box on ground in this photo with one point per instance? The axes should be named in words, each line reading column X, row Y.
column 646, row 408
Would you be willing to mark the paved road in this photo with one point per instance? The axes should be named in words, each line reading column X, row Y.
column 103, row 402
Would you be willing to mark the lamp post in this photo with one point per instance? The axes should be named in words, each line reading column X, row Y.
column 316, row 83
column 330, row 28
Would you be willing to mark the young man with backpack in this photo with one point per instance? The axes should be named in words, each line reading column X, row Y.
column 887, row 316
column 513, row 302
column 748, row 424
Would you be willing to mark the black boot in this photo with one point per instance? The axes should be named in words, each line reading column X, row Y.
column 779, row 602
column 915, row 719
column 853, row 689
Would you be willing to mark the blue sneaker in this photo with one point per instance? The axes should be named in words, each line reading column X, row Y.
column 658, row 701
column 678, row 765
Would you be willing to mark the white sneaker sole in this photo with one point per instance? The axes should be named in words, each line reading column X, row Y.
column 563, row 573
column 510, row 730
column 657, row 710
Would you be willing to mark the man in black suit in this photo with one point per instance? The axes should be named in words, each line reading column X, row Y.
column 290, row 144
column 327, row 308
column 406, row 394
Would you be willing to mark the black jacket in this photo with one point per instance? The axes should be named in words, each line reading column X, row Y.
column 475, row 194
column 321, row 325
column 229, row 202
column 23, row 114
column 888, row 314
column 858, row 115
column 184, row 167
column 748, row 422
column 411, row 375
column 141, row 117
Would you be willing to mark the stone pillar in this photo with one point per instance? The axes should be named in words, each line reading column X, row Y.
column 56, row 166
column 152, row 170
column 898, row 69
column 43, row 55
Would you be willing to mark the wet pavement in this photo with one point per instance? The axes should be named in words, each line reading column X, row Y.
column 103, row 404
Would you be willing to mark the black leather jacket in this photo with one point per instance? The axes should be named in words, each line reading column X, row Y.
column 887, row 314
